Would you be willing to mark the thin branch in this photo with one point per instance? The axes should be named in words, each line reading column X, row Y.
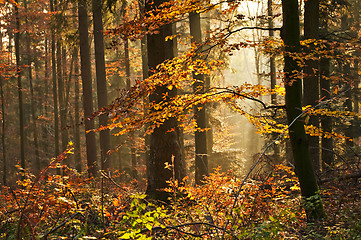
column 61, row 224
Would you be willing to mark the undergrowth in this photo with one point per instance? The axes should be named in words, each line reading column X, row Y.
column 71, row 206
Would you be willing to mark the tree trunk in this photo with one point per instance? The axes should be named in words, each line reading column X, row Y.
column 326, row 121
column 145, row 72
column 91, row 149
column 33, row 115
column 62, row 108
column 272, row 66
column 201, row 154
column 165, row 147
column 77, row 151
column 55, row 92
column 301, row 154
column 311, row 93
column 101, row 82
column 3, row 116
column 37, row 164
column 44, row 132
column 20, row 89
column 133, row 153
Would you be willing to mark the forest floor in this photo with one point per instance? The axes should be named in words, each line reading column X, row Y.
column 269, row 207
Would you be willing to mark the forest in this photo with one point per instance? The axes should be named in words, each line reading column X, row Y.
column 180, row 119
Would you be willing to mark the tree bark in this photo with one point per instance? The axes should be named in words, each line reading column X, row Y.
column 77, row 150
column 20, row 88
column 61, row 94
column 37, row 164
column 311, row 93
column 326, row 122
column 165, row 147
column 133, row 154
column 272, row 66
column 101, row 82
column 35, row 125
column 55, row 92
column 91, row 149
column 301, row 154
column 201, row 153
column 44, row 132
column 3, row 123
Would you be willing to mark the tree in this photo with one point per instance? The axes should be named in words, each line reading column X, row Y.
column 32, row 98
column 165, row 146
column 311, row 79
column 77, row 146
column 272, row 66
column 201, row 153
column 101, row 82
column 91, row 149
column 133, row 153
column 20, row 88
column 301, row 154
column 54, row 81
column 3, row 118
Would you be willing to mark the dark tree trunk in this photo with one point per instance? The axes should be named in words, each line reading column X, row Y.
column 20, row 89
column 3, row 129
column 44, row 132
column 101, row 82
column 37, row 164
column 165, row 146
column 62, row 108
column 55, row 92
column 91, row 148
column 35, row 125
column 3, row 117
column 311, row 93
column 301, row 154
column 201, row 153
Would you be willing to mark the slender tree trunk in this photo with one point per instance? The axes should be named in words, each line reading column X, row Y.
column 145, row 76
column 77, row 151
column 201, row 154
column 207, row 85
column 3, row 117
column 326, row 122
column 272, row 58
column 272, row 66
column 165, row 147
column 62, row 108
column 311, row 93
column 37, row 164
column 55, row 92
column 44, row 135
column 91, row 149
column 133, row 153
column 101, row 82
column 35, row 125
column 301, row 154
column 3, row 125
column 20, row 89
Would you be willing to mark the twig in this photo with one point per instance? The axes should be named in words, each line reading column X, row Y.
column 61, row 224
